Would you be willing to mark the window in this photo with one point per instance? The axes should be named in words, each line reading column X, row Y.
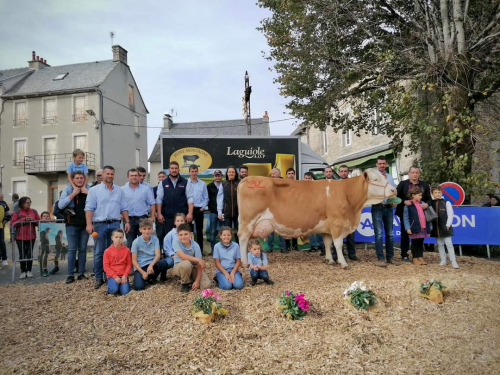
column 49, row 111
column 50, row 151
column 80, row 141
column 130, row 95
column 19, row 187
column 20, row 114
column 19, row 152
column 136, row 124
column 323, row 143
column 60, row 77
column 137, row 157
column 79, row 112
column 348, row 138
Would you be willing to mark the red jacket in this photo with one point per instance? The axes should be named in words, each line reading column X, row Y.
column 25, row 231
column 117, row 261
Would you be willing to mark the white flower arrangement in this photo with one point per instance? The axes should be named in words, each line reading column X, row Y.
column 360, row 296
column 357, row 285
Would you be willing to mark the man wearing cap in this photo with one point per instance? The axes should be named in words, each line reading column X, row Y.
column 215, row 200
column 197, row 195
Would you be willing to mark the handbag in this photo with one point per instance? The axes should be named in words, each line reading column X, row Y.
column 430, row 214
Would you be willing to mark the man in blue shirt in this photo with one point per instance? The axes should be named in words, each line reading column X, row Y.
column 171, row 198
column 215, row 201
column 105, row 203
column 197, row 195
column 382, row 215
column 139, row 201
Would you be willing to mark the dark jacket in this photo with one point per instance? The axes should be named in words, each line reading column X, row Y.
column 402, row 190
column 439, row 227
column 174, row 199
column 230, row 198
column 415, row 221
column 213, row 191
column 79, row 219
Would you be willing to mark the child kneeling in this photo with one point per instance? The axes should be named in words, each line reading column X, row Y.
column 146, row 256
column 117, row 263
column 188, row 264
column 228, row 260
column 258, row 265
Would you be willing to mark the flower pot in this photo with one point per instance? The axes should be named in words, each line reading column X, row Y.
column 201, row 317
column 435, row 295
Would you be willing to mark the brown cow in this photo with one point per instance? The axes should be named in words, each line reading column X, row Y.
column 300, row 208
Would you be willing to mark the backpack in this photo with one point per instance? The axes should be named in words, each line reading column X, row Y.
column 58, row 213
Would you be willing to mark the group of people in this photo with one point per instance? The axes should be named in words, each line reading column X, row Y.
column 176, row 207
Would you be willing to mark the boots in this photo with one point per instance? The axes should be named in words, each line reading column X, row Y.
column 422, row 261
column 416, row 261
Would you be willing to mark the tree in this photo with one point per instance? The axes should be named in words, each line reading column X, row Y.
column 423, row 65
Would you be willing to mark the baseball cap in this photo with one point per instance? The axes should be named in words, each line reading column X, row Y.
column 217, row 171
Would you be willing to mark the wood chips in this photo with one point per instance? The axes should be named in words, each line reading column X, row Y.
column 73, row 329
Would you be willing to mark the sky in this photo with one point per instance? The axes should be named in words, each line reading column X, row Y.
column 189, row 56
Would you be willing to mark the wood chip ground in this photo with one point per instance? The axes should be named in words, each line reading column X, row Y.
column 73, row 329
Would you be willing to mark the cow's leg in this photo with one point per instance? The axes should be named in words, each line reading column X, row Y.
column 338, row 242
column 327, row 240
column 244, row 237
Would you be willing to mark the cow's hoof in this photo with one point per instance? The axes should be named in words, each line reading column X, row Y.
column 344, row 266
column 330, row 262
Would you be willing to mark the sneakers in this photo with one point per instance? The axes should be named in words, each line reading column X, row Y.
column 406, row 259
column 253, row 282
column 82, row 277
column 54, row 270
column 381, row 263
column 45, row 273
column 29, row 275
column 152, row 282
column 70, row 212
column 5, row 262
column 455, row 265
column 98, row 284
column 70, row 279
column 23, row 275
column 392, row 261
column 269, row 281
column 185, row 288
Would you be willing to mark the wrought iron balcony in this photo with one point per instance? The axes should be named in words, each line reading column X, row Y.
column 49, row 120
column 80, row 117
column 57, row 163
column 20, row 122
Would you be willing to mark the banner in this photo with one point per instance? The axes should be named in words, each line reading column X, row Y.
column 471, row 226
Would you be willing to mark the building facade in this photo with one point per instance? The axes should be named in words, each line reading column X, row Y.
column 47, row 112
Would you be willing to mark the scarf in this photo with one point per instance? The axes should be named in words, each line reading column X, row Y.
column 421, row 215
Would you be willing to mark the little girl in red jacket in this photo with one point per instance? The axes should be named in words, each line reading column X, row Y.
column 117, row 261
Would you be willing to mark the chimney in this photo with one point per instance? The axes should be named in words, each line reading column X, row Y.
column 37, row 62
column 119, row 54
column 266, row 116
column 167, row 122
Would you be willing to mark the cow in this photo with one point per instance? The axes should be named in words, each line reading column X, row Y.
column 300, row 208
column 190, row 158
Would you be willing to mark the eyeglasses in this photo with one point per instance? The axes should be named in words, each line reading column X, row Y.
column 99, row 175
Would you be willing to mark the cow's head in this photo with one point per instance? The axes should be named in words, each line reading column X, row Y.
column 378, row 187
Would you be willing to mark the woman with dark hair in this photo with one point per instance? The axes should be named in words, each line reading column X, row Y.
column 495, row 201
column 59, row 246
column 230, row 204
column 25, row 234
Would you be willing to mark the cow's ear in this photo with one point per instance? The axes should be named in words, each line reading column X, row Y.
column 365, row 176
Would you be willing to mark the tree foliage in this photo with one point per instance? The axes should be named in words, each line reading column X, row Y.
column 418, row 69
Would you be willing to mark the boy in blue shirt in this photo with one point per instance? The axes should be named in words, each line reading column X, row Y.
column 228, row 260
column 76, row 165
column 168, row 250
column 188, row 264
column 258, row 265
column 146, row 256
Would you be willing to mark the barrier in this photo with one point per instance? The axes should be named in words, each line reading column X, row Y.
column 471, row 226
column 27, row 244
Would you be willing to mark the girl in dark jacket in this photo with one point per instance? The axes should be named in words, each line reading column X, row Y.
column 230, row 205
column 417, row 227
column 442, row 229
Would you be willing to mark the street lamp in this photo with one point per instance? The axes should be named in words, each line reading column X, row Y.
column 91, row 112
column 246, row 103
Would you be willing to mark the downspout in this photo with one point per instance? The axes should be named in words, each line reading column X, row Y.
column 2, row 107
column 101, row 122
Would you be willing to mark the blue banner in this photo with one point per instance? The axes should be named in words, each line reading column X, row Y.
column 471, row 226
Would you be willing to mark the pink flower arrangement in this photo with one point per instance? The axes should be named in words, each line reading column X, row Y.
column 210, row 293
column 302, row 302
column 293, row 306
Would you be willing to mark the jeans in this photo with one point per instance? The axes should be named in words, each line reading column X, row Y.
column 3, row 247
column 198, row 217
column 160, row 266
column 160, row 232
column 270, row 242
column 102, row 242
column 351, row 245
column 316, row 240
column 77, row 241
column 215, row 225
column 256, row 275
column 115, row 288
column 232, row 222
column 25, row 252
column 225, row 284
column 292, row 243
column 133, row 233
column 383, row 216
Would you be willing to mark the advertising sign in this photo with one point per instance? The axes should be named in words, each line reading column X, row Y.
column 259, row 154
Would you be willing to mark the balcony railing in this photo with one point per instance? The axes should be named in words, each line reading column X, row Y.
column 20, row 122
column 56, row 163
column 18, row 163
column 49, row 120
column 80, row 117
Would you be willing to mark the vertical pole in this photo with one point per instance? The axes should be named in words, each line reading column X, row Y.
column 488, row 251
column 460, row 249
column 248, row 91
